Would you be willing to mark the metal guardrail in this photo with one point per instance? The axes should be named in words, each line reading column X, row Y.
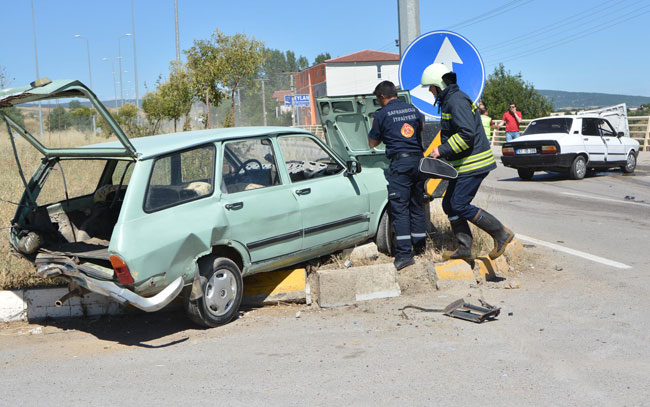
column 639, row 131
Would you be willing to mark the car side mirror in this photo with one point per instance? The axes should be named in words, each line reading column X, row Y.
column 620, row 134
column 353, row 167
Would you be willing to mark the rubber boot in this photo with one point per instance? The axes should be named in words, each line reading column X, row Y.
column 500, row 234
column 461, row 230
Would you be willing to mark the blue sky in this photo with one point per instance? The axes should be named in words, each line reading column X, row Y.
column 588, row 46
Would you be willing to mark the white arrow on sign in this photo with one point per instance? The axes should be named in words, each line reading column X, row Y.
column 447, row 56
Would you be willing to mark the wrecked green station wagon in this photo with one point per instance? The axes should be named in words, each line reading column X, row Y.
column 193, row 212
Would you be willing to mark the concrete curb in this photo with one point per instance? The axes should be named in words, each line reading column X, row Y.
column 38, row 303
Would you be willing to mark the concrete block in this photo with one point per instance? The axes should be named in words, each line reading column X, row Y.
column 12, row 306
column 452, row 270
column 489, row 269
column 367, row 251
column 347, row 286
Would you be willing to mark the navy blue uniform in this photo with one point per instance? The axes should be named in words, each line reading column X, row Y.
column 467, row 148
column 399, row 126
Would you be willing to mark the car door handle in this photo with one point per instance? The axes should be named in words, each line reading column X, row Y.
column 234, row 205
column 303, row 191
column 585, row 139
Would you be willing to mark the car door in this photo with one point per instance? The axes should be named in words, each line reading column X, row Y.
column 594, row 143
column 262, row 212
column 333, row 205
column 615, row 147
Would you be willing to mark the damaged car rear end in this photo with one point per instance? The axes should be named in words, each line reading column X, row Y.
column 66, row 220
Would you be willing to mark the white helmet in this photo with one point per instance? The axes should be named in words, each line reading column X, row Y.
column 433, row 76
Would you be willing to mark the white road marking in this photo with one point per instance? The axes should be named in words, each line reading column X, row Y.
column 605, row 199
column 578, row 253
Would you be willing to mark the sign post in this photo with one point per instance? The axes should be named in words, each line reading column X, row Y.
column 450, row 49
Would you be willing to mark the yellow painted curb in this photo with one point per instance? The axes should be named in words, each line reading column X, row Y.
column 486, row 268
column 454, row 270
column 274, row 282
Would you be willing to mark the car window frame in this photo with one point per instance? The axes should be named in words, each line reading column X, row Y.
column 582, row 127
column 225, row 150
column 318, row 142
column 169, row 154
column 600, row 128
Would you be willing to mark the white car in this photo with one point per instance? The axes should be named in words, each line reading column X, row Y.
column 573, row 144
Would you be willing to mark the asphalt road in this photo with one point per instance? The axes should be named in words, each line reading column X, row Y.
column 575, row 333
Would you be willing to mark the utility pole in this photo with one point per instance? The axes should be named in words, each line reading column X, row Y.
column 263, row 99
column 119, row 56
column 408, row 12
column 238, row 108
column 90, row 74
column 178, row 48
column 135, row 62
column 40, row 110
column 293, row 99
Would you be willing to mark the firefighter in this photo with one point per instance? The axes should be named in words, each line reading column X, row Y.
column 466, row 147
column 399, row 126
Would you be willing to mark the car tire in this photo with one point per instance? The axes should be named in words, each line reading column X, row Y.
column 630, row 163
column 222, row 289
column 525, row 173
column 385, row 237
column 578, row 169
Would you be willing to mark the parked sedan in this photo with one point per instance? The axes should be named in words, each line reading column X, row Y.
column 140, row 220
column 572, row 145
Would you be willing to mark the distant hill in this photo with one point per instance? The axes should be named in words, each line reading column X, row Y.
column 566, row 100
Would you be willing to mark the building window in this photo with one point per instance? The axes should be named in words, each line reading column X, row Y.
column 378, row 71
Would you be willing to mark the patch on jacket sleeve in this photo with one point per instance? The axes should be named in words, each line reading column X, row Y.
column 407, row 130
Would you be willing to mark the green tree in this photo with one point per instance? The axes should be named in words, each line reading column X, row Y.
column 179, row 94
column 503, row 88
column 153, row 106
column 82, row 117
column 203, row 63
column 58, row 119
column 74, row 104
column 322, row 57
column 239, row 60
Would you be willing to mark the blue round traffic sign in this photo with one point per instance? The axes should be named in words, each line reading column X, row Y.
column 450, row 49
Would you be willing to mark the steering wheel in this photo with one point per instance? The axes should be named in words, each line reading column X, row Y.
column 243, row 165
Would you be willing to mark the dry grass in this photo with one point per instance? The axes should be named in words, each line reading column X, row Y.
column 15, row 272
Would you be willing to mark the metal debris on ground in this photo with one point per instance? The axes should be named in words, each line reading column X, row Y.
column 462, row 310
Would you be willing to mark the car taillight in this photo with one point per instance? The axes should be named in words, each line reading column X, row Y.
column 121, row 270
column 549, row 150
column 508, row 151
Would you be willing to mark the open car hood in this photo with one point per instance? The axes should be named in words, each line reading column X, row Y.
column 347, row 121
column 45, row 89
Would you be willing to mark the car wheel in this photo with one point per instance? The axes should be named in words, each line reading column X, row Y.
column 385, row 237
column 630, row 164
column 222, row 288
column 578, row 168
column 525, row 173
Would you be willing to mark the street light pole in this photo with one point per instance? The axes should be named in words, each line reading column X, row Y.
column 135, row 62
column 90, row 73
column 113, row 72
column 119, row 56
column 40, row 110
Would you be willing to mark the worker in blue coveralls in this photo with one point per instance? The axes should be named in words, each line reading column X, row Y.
column 399, row 126
column 466, row 147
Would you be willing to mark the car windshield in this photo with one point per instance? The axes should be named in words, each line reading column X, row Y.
column 555, row 125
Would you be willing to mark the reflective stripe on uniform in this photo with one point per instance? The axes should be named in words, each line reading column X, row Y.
column 407, row 237
column 453, row 218
column 474, row 162
column 459, row 140
column 454, row 146
column 418, row 235
column 446, row 116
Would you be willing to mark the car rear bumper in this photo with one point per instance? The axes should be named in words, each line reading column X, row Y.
column 539, row 162
column 110, row 289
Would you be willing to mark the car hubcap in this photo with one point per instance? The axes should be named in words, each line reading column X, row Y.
column 631, row 161
column 220, row 292
column 580, row 168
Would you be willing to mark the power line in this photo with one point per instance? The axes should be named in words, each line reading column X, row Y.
column 619, row 20
column 554, row 27
column 490, row 14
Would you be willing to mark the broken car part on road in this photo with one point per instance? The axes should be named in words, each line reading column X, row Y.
column 462, row 310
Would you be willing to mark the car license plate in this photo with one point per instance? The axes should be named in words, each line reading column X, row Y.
column 526, row 150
